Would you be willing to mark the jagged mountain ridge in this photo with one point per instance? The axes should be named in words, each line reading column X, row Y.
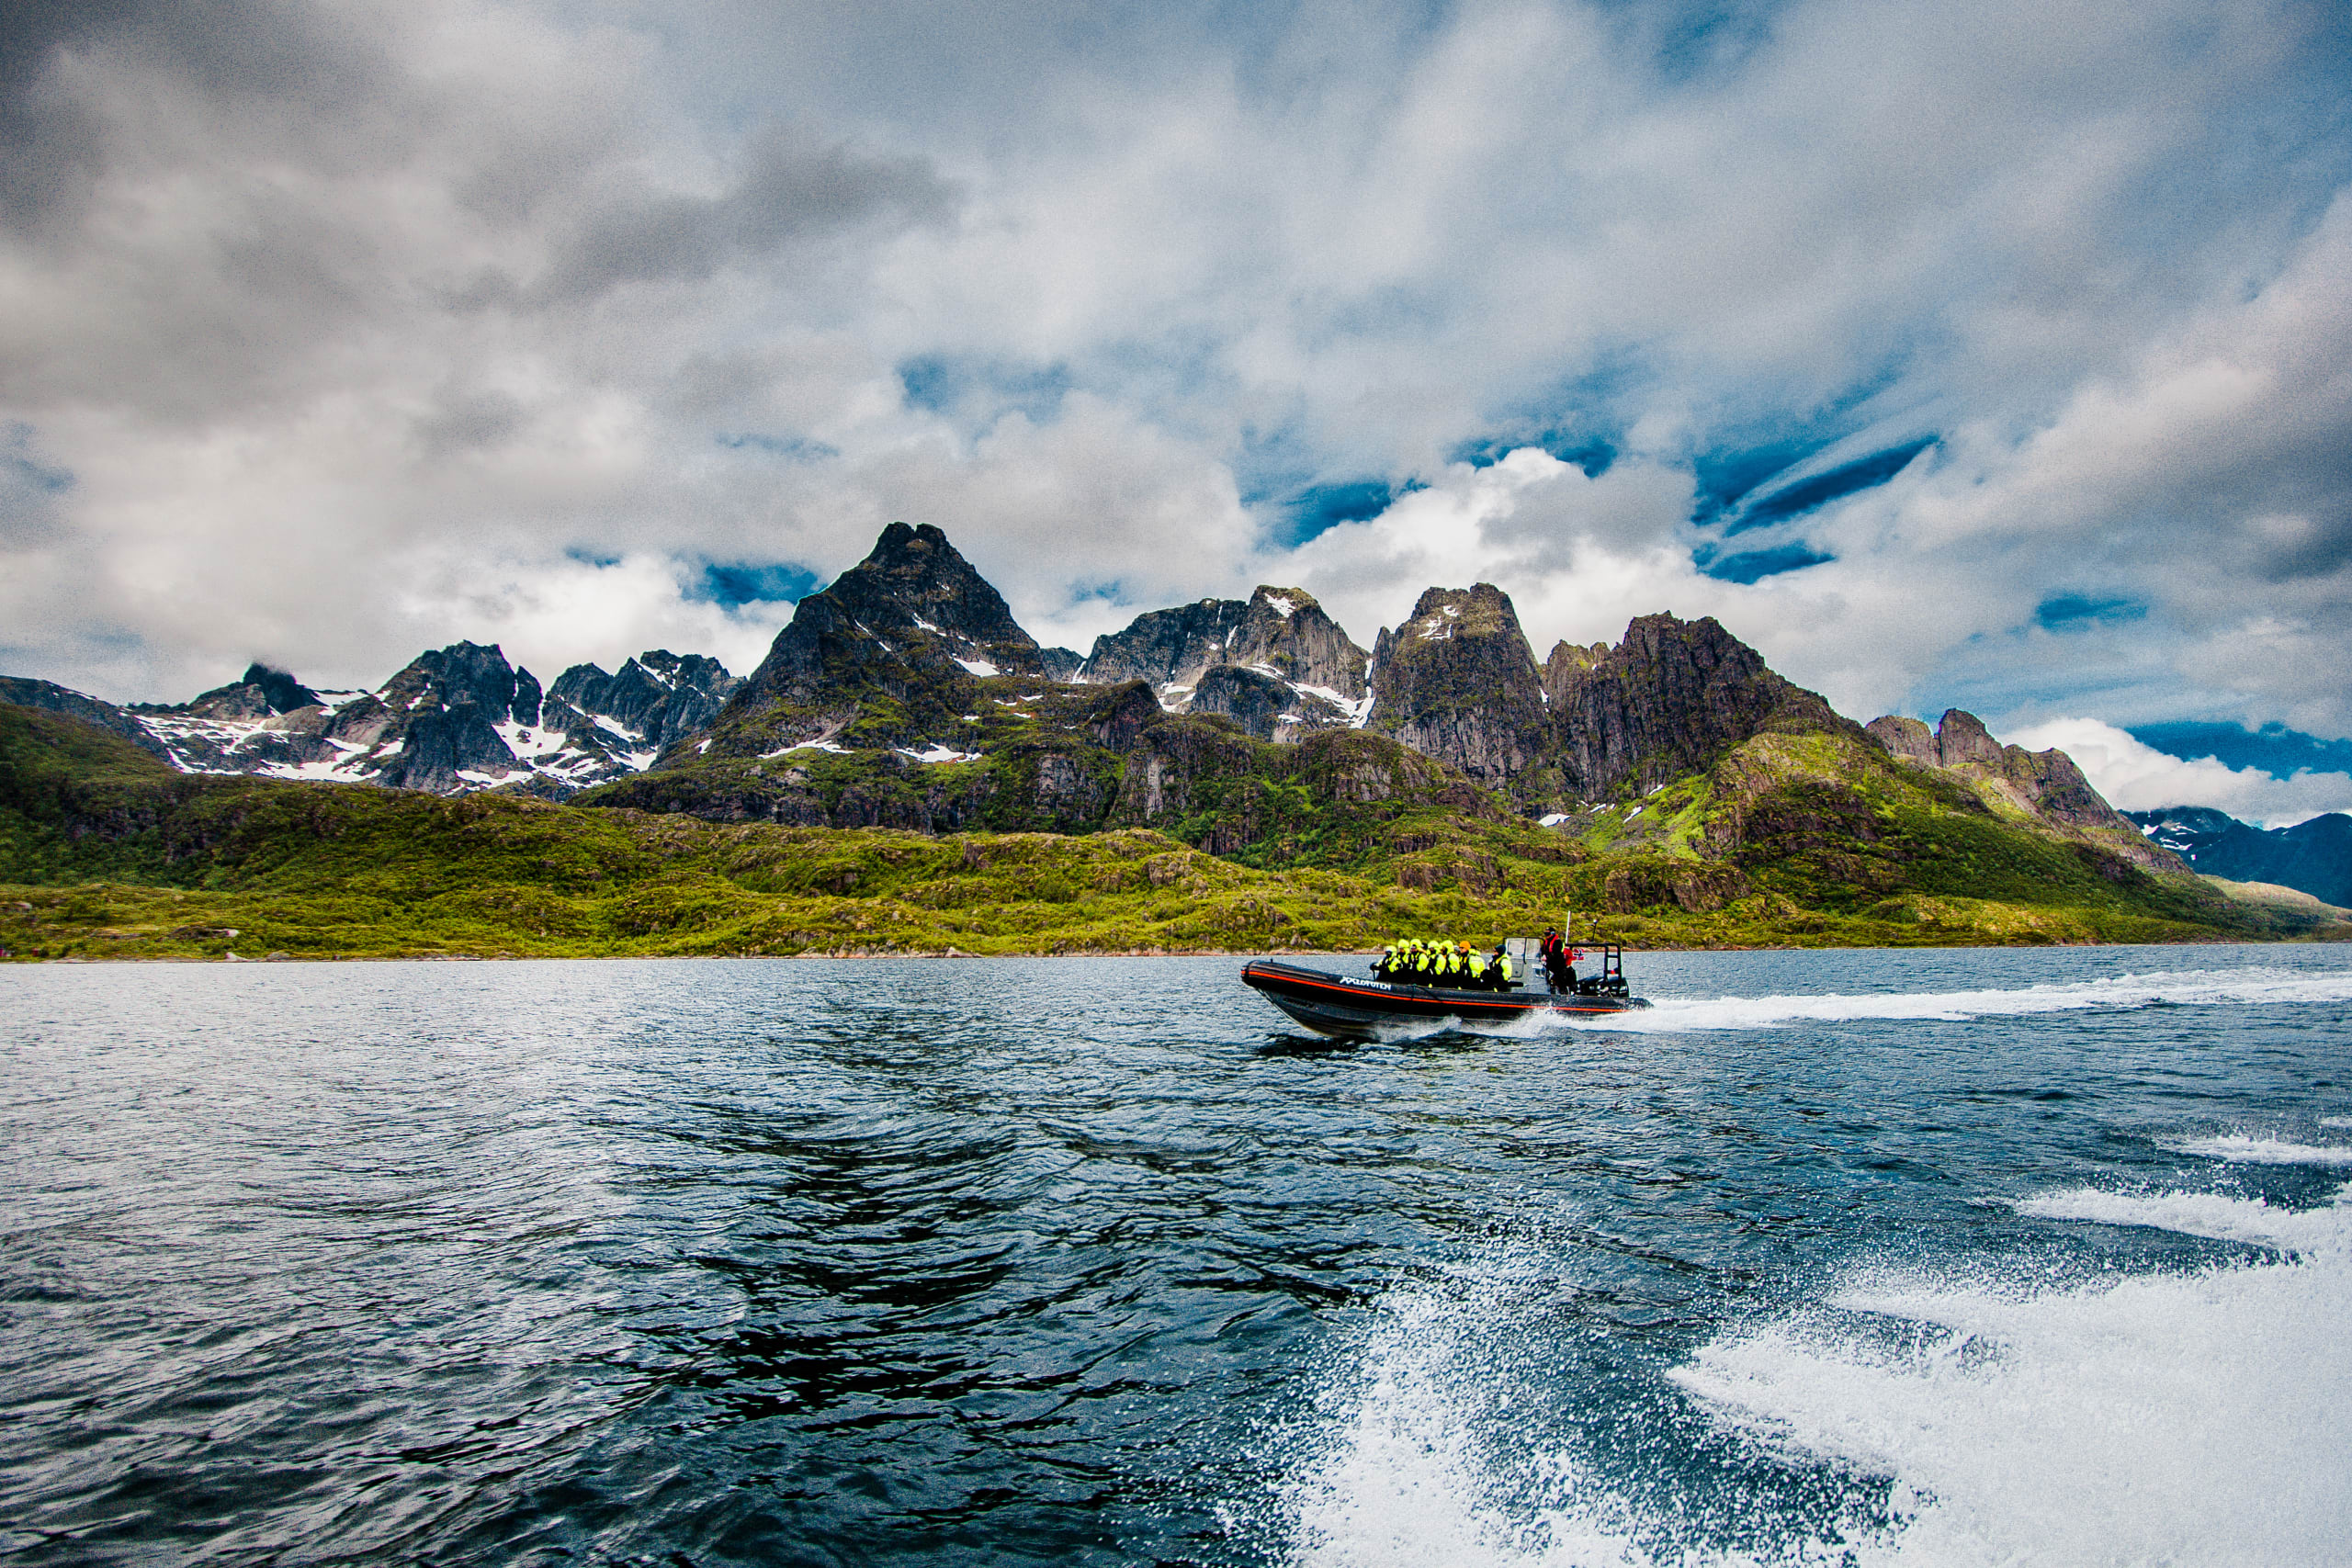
column 866, row 714
column 650, row 703
column 1706, row 785
column 2044, row 785
column 452, row 721
column 2313, row 857
column 1275, row 663
column 893, row 650
column 1671, row 697
column 48, row 696
column 914, row 654
column 1458, row 682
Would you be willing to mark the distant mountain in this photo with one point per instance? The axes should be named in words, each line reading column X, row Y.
column 50, row 697
column 1458, row 683
column 1672, row 786
column 1670, row 698
column 259, row 693
column 453, row 721
column 888, row 655
column 907, row 694
column 2043, row 785
column 1275, row 663
column 650, row 703
column 2313, row 857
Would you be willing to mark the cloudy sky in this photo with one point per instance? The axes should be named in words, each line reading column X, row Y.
column 1986, row 354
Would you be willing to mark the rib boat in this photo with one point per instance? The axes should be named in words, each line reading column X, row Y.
column 1350, row 1009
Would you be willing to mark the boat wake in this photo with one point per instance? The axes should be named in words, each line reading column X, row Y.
column 1962, row 1419
column 2156, row 1419
column 2243, row 1149
column 2195, row 988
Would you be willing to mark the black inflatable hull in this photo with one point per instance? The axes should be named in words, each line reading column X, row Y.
column 1365, row 1010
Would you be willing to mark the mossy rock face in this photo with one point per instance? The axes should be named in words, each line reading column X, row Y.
column 1458, row 683
column 1672, row 883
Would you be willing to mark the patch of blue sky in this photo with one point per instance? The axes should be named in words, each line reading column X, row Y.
column 18, row 462
column 1280, row 481
column 730, row 584
column 1274, row 461
column 1817, row 490
column 1703, row 43
column 2078, row 612
column 589, row 556
column 1754, row 565
column 796, row 448
column 2274, row 748
column 1314, row 509
column 1743, row 457
column 1727, row 477
column 1589, row 452
column 1575, row 418
column 1111, row 590
column 956, row 384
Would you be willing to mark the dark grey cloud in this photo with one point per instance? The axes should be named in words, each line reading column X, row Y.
column 791, row 190
column 53, row 145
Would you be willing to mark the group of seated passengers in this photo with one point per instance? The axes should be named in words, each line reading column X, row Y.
column 1414, row 962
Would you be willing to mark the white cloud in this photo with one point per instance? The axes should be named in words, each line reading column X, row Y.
column 2137, row 777
column 1572, row 552
column 357, row 327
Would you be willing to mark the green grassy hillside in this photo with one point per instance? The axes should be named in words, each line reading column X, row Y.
column 105, row 852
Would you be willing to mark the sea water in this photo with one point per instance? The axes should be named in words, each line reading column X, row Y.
column 1859, row 1258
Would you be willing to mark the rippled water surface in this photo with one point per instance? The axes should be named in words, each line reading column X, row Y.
column 1919, row 1256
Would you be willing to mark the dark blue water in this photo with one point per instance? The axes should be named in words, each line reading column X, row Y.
column 1947, row 1257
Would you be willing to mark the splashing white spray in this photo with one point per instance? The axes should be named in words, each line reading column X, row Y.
column 2158, row 1419
column 2189, row 988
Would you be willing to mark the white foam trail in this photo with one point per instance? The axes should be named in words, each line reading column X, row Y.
column 2335, row 1120
column 2157, row 1419
column 2210, row 1214
column 2195, row 988
column 1405, row 1031
column 2240, row 1149
column 2154, row 1419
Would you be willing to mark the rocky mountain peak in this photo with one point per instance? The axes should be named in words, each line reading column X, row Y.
column 258, row 694
column 279, row 689
column 1457, row 682
column 1905, row 738
column 1275, row 663
column 466, row 674
column 1482, row 610
column 2046, row 783
column 650, row 703
column 1284, row 633
column 1669, row 699
column 916, row 587
column 1169, row 649
column 1568, row 660
column 893, row 645
column 1961, row 739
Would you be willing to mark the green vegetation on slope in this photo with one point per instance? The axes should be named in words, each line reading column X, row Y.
column 105, row 852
